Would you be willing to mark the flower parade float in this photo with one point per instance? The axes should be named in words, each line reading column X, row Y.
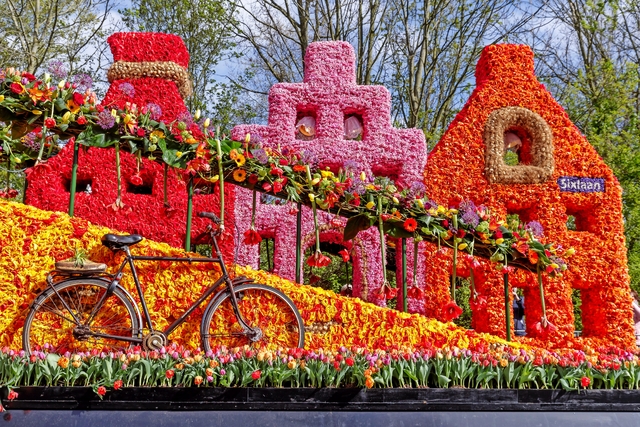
column 350, row 343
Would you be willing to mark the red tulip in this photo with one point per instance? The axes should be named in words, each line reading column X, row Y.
column 318, row 260
column 345, row 255
column 585, row 381
column 451, row 311
column 252, row 237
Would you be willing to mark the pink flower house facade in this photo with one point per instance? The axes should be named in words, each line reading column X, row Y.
column 330, row 96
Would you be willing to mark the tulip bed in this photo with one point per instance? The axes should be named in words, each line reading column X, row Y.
column 499, row 366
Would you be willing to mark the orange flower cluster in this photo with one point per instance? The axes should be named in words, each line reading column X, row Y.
column 456, row 171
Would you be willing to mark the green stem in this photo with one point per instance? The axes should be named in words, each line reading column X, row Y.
column 472, row 279
column 544, row 310
column 299, row 244
column 383, row 245
column 42, row 141
column 315, row 214
column 8, row 171
column 118, row 170
column 506, row 301
column 454, row 273
column 415, row 260
column 166, row 196
column 221, row 183
column 74, row 177
column 253, row 211
column 187, row 240
column 405, row 307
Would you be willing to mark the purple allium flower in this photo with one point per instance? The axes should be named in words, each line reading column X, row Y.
column 31, row 141
column 535, row 228
column 309, row 157
column 155, row 112
column 469, row 213
column 127, row 89
column 82, row 82
column 260, row 155
column 185, row 117
column 105, row 120
column 417, row 188
column 57, row 69
column 351, row 166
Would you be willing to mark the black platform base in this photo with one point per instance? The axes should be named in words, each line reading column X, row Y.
column 79, row 406
column 276, row 418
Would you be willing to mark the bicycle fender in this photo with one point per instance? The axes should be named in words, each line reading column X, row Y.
column 241, row 280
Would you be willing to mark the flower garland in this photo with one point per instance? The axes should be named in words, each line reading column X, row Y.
column 505, row 78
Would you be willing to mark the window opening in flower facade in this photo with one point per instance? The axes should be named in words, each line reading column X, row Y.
column 268, row 199
column 353, row 126
column 518, row 147
column 267, row 252
column 513, row 147
column 334, row 277
column 82, row 185
column 145, row 188
column 306, row 122
column 576, row 299
column 580, row 220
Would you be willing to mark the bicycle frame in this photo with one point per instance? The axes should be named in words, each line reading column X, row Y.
column 129, row 260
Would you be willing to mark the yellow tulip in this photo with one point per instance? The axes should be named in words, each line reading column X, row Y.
column 1, row 98
column 207, row 122
column 363, row 176
column 395, row 200
column 420, row 203
column 370, row 205
column 196, row 117
column 570, row 252
column 499, row 241
column 462, row 246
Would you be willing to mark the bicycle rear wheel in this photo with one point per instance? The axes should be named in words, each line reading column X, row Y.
column 59, row 322
column 273, row 317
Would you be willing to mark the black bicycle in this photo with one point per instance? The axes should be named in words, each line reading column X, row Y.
column 80, row 311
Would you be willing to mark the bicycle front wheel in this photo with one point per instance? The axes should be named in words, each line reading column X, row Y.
column 59, row 320
column 273, row 318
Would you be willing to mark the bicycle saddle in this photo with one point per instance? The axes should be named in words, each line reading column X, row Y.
column 113, row 241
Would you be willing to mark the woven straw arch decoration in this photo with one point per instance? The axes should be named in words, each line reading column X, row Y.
column 541, row 166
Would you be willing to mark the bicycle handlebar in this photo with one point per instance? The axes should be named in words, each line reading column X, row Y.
column 213, row 217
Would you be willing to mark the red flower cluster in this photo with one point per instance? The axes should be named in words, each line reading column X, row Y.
column 144, row 211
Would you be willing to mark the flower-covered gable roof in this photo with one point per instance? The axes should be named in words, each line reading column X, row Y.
column 330, row 94
column 149, row 68
column 574, row 184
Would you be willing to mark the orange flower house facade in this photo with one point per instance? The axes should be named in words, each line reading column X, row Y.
column 557, row 180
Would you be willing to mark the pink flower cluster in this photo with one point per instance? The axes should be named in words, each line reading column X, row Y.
column 330, row 96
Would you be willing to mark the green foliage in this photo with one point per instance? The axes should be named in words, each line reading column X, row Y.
column 463, row 293
column 435, row 369
column 576, row 299
column 608, row 116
